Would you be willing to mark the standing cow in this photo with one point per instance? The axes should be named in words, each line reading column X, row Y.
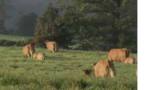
column 51, row 46
column 118, row 55
column 104, row 68
column 28, row 50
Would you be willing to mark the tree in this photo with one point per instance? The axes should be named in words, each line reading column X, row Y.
column 47, row 25
column 90, row 24
column 112, row 20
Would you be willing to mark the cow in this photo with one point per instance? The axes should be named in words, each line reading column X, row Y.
column 104, row 68
column 51, row 46
column 130, row 60
column 118, row 55
column 28, row 50
column 39, row 56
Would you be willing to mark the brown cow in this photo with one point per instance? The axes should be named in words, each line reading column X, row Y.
column 118, row 54
column 28, row 50
column 129, row 60
column 39, row 56
column 104, row 68
column 51, row 46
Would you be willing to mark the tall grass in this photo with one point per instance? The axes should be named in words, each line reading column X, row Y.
column 14, row 37
column 60, row 71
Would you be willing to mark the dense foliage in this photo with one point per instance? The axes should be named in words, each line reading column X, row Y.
column 90, row 24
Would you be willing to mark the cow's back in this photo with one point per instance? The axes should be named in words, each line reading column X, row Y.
column 118, row 54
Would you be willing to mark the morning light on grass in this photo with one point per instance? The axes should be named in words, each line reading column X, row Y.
column 62, row 70
column 68, row 45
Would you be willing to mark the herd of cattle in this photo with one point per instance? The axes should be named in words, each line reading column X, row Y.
column 103, row 68
column 29, row 50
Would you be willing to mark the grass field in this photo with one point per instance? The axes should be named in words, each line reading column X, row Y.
column 13, row 37
column 60, row 71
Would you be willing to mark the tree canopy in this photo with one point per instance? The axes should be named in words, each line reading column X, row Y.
column 91, row 24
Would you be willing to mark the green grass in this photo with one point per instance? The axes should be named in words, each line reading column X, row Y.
column 60, row 71
column 13, row 37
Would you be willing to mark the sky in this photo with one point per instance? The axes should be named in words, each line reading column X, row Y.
column 17, row 8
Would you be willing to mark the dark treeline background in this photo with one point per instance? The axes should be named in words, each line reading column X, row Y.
column 90, row 24
column 85, row 24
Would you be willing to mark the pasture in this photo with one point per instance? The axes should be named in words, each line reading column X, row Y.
column 60, row 71
column 14, row 37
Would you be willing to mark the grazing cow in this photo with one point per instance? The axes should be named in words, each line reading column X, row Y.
column 51, row 46
column 28, row 50
column 129, row 60
column 39, row 56
column 118, row 54
column 104, row 68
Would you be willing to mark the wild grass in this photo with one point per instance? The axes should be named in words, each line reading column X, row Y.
column 13, row 37
column 60, row 71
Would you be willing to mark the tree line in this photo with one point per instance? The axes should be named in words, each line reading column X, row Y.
column 86, row 24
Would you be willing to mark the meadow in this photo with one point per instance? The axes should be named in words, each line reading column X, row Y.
column 14, row 37
column 60, row 71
